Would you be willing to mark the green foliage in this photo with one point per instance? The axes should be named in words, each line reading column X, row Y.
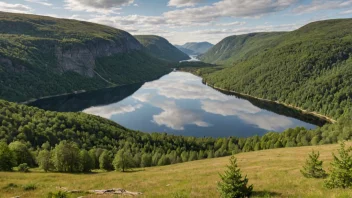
column 23, row 168
column 7, row 158
column 123, row 161
column 105, row 161
column 341, row 173
column 22, row 154
column 44, row 160
column 29, row 187
column 66, row 157
column 233, row 185
column 161, row 48
column 313, row 167
column 87, row 163
column 308, row 68
column 57, row 131
column 10, row 186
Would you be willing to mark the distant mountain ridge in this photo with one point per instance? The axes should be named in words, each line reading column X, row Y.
column 161, row 48
column 195, row 48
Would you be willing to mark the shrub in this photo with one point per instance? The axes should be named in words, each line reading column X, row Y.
column 23, row 168
column 29, row 187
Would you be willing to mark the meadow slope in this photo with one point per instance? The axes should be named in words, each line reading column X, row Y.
column 274, row 173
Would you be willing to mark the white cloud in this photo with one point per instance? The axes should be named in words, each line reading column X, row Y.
column 110, row 110
column 19, row 8
column 144, row 97
column 228, row 8
column 346, row 12
column 317, row 5
column 229, row 107
column 41, row 2
column 248, row 113
column 236, row 23
column 176, row 118
column 100, row 6
column 183, row 3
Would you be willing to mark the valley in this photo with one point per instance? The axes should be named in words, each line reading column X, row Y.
column 86, row 106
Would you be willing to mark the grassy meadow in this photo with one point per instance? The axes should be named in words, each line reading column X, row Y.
column 274, row 173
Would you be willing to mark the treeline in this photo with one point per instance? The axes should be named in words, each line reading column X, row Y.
column 98, row 141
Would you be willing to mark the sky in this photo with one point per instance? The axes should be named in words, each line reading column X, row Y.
column 182, row 21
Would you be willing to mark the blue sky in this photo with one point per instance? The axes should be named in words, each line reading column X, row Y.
column 182, row 21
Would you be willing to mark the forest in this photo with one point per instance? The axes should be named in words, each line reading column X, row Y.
column 33, row 136
column 308, row 68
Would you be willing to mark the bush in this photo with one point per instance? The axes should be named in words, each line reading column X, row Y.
column 10, row 186
column 29, row 187
column 23, row 168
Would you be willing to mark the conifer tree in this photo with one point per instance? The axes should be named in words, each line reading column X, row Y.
column 313, row 167
column 232, row 184
column 341, row 173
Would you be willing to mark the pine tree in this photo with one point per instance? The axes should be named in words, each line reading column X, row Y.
column 341, row 173
column 232, row 184
column 313, row 167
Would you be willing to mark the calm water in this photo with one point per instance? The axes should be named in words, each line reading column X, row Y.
column 178, row 103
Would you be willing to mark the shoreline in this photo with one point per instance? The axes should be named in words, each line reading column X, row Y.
column 82, row 91
column 321, row 116
column 316, row 114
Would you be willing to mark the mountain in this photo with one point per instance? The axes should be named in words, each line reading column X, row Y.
column 42, row 56
column 310, row 68
column 238, row 47
column 161, row 48
column 194, row 48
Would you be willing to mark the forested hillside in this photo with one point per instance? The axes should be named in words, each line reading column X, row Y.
column 41, row 56
column 309, row 68
column 32, row 128
column 161, row 48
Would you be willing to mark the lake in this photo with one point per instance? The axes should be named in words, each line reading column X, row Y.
column 179, row 103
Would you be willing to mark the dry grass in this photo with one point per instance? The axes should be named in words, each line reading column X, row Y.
column 274, row 173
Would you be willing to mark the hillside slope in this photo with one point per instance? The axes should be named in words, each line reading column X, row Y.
column 235, row 48
column 309, row 68
column 161, row 48
column 41, row 56
column 196, row 48
column 274, row 173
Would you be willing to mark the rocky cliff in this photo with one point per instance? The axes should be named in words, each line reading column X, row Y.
column 41, row 56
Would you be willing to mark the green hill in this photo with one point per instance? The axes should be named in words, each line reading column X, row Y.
column 161, row 48
column 41, row 56
column 309, row 68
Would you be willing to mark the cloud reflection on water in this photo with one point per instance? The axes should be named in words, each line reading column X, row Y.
column 166, row 93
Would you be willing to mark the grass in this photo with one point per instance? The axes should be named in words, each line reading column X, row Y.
column 274, row 173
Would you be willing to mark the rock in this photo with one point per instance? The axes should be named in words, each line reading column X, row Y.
column 118, row 191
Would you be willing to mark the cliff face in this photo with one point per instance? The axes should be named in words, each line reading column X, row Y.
column 81, row 58
column 42, row 56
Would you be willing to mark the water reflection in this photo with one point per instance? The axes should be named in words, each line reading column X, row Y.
column 179, row 103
